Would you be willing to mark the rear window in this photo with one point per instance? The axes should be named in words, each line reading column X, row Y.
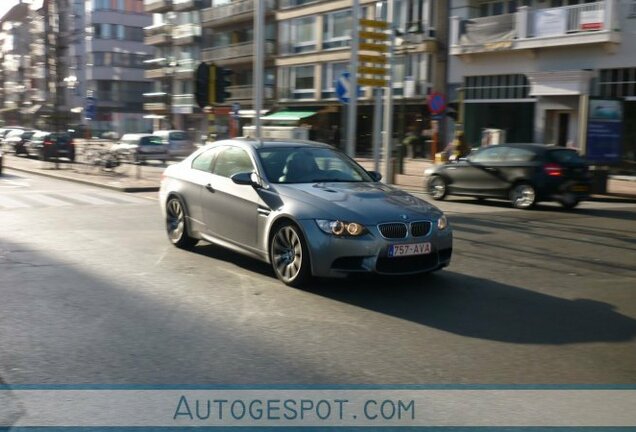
column 27, row 135
column 566, row 156
column 178, row 136
column 150, row 140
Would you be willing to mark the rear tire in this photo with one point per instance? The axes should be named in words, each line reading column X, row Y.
column 437, row 188
column 289, row 255
column 569, row 203
column 177, row 224
column 523, row 196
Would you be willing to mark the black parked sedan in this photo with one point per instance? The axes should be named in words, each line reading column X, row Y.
column 522, row 173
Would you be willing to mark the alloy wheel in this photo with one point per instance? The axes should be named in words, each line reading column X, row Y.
column 175, row 220
column 523, row 196
column 287, row 254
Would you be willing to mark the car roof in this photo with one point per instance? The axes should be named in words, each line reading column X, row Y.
column 136, row 135
column 537, row 147
column 271, row 143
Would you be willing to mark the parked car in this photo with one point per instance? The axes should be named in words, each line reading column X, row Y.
column 523, row 173
column 4, row 132
column 177, row 142
column 16, row 140
column 139, row 147
column 51, row 145
column 305, row 207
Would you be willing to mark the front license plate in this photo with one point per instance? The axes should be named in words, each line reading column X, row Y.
column 580, row 188
column 401, row 250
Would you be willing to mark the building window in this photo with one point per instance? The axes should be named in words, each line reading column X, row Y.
column 617, row 82
column 496, row 87
column 330, row 73
column 303, row 34
column 302, row 78
column 337, row 29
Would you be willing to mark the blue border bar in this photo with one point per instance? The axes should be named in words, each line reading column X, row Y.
column 318, row 387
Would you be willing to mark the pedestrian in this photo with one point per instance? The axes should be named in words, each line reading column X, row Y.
column 410, row 142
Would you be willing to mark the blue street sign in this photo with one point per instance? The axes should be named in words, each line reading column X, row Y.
column 235, row 109
column 343, row 87
column 90, row 109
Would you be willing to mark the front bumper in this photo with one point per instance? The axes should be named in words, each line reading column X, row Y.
column 333, row 256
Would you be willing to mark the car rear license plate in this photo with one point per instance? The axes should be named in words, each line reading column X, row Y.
column 580, row 188
column 400, row 250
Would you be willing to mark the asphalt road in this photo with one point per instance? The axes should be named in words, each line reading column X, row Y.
column 92, row 292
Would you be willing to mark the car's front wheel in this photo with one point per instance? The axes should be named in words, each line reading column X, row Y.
column 569, row 201
column 523, row 196
column 176, row 224
column 289, row 255
column 437, row 187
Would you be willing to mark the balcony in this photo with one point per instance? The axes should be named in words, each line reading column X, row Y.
column 157, row 35
column 232, row 12
column 186, row 34
column 186, row 5
column 589, row 23
column 156, row 73
column 183, row 100
column 185, row 68
column 156, row 102
column 242, row 52
column 157, row 6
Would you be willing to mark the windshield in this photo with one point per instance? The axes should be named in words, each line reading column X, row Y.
column 178, row 136
column 310, row 165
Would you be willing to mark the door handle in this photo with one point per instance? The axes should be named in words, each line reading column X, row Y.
column 209, row 188
column 491, row 169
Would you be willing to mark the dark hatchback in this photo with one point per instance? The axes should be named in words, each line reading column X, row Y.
column 523, row 173
column 51, row 145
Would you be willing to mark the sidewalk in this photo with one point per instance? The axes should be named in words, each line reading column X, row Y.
column 125, row 178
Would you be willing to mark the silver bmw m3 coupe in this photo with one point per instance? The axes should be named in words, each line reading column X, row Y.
column 305, row 207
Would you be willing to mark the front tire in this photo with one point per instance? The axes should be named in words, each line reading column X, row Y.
column 289, row 255
column 523, row 196
column 176, row 224
column 437, row 188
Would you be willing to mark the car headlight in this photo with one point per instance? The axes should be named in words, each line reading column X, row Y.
column 341, row 228
column 442, row 223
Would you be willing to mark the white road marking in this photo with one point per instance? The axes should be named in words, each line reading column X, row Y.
column 10, row 203
column 47, row 200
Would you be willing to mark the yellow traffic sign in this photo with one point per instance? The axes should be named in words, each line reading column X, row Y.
column 371, row 70
column 374, row 24
column 375, row 59
column 372, row 82
column 365, row 46
column 373, row 36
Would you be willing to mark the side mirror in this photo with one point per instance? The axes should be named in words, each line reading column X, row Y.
column 246, row 179
column 376, row 176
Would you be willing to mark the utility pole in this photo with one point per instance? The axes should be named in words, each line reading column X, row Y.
column 388, row 104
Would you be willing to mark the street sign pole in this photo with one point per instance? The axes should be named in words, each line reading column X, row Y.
column 388, row 103
column 377, row 128
column 353, row 92
column 259, row 63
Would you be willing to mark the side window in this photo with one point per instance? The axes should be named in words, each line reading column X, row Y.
column 232, row 160
column 491, row 154
column 519, row 155
column 203, row 162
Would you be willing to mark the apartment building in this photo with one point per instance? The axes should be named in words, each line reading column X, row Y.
column 314, row 49
column 106, row 56
column 228, row 42
column 548, row 71
column 175, row 36
column 19, row 96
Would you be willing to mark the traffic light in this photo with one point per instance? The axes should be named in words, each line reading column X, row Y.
column 202, row 85
column 222, row 83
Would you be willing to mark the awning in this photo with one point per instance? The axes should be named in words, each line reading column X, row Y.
column 289, row 115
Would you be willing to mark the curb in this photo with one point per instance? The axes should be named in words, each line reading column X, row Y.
column 127, row 189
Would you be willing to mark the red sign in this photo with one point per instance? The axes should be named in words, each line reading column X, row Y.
column 436, row 103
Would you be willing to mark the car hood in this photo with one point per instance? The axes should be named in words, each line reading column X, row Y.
column 366, row 203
